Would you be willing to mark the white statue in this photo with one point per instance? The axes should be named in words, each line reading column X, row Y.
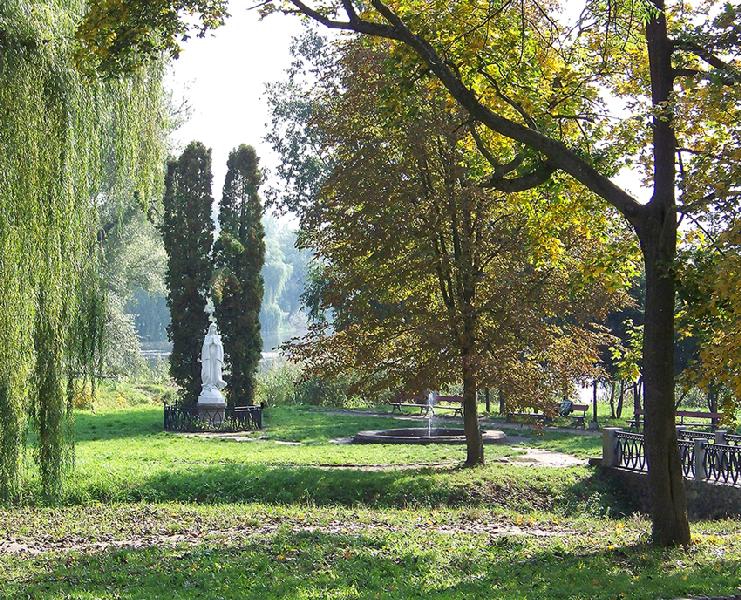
column 212, row 360
column 212, row 363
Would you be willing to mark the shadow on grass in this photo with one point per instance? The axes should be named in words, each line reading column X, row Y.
column 408, row 564
column 566, row 491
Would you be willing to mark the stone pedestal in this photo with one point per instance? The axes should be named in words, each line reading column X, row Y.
column 211, row 406
column 610, row 457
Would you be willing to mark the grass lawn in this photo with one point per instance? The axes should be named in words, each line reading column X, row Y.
column 148, row 514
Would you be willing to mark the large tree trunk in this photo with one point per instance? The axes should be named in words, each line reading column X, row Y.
column 668, row 503
column 621, row 399
column 657, row 233
column 474, row 441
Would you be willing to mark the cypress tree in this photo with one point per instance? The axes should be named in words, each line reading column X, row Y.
column 239, row 255
column 188, row 231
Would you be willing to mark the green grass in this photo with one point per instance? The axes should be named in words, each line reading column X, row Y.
column 124, row 456
column 148, row 514
column 258, row 551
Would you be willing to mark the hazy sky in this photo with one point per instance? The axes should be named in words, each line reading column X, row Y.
column 223, row 78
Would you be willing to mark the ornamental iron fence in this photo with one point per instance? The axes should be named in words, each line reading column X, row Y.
column 690, row 434
column 732, row 440
column 716, row 459
column 630, row 451
column 194, row 419
column 722, row 463
column 687, row 457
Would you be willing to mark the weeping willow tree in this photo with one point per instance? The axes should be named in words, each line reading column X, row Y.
column 68, row 142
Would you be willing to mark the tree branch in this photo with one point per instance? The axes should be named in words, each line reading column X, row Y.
column 557, row 153
column 538, row 176
column 511, row 101
column 729, row 72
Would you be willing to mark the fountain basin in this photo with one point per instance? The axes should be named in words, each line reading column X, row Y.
column 420, row 435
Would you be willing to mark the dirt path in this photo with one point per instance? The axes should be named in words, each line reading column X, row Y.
column 231, row 535
column 485, row 422
column 546, row 458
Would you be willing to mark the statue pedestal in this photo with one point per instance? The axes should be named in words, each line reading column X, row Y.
column 211, row 406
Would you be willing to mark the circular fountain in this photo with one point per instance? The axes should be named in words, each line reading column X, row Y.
column 424, row 435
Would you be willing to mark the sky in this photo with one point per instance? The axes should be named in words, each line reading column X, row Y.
column 223, row 78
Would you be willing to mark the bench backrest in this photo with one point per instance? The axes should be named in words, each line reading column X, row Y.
column 458, row 399
column 699, row 414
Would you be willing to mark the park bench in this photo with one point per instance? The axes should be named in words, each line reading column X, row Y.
column 577, row 420
column 701, row 418
column 426, row 409
column 455, row 400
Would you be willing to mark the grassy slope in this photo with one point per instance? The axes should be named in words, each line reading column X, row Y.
column 194, row 518
column 124, row 456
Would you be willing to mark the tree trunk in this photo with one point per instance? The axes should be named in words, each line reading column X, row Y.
column 668, row 502
column 636, row 405
column 657, row 232
column 487, row 400
column 713, row 398
column 474, row 441
column 594, row 401
column 621, row 399
column 612, row 399
column 502, row 403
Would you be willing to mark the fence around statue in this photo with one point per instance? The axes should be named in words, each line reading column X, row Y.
column 194, row 419
column 712, row 457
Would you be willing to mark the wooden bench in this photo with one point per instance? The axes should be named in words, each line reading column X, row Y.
column 426, row 409
column 457, row 400
column 713, row 417
column 577, row 420
column 511, row 416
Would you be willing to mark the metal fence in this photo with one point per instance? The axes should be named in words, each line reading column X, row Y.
column 711, row 457
column 192, row 419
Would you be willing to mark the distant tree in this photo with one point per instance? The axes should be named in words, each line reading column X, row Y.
column 276, row 272
column 710, row 314
column 430, row 280
column 187, row 231
column 239, row 255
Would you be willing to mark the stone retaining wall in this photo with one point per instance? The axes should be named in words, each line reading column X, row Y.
column 704, row 500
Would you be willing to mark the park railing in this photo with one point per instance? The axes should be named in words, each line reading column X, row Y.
column 193, row 419
column 714, row 457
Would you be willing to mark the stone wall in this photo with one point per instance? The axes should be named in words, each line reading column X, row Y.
column 704, row 500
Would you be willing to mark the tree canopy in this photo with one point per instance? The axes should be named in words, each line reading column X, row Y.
column 432, row 277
